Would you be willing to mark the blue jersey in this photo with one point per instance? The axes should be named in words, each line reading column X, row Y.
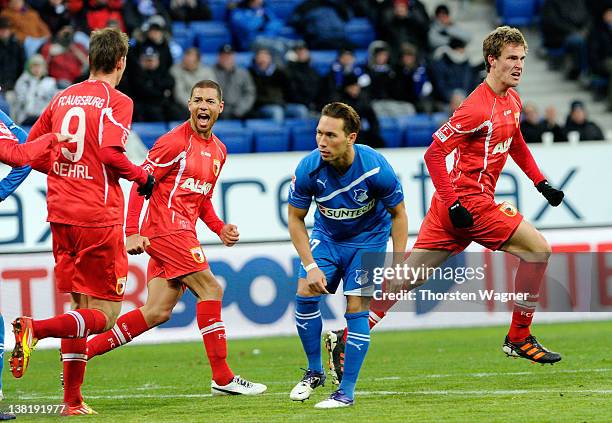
column 351, row 208
column 17, row 175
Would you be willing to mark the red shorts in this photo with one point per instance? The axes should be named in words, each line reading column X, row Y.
column 175, row 255
column 494, row 224
column 90, row 261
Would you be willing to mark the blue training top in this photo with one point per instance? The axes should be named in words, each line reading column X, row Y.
column 351, row 208
column 18, row 174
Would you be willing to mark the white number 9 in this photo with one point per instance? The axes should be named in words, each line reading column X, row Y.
column 78, row 136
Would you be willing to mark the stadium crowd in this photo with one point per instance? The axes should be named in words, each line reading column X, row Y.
column 408, row 63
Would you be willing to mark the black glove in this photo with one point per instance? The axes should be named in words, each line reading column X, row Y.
column 147, row 188
column 460, row 216
column 552, row 195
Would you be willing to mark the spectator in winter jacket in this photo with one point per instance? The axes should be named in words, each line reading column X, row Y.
column 252, row 23
column 272, row 88
column 578, row 125
column 322, row 23
column 405, row 21
column 411, row 83
column 34, row 90
column 305, row 80
column 11, row 48
column 443, row 28
column 66, row 60
column 187, row 73
column 25, row 21
column 236, row 83
column 452, row 70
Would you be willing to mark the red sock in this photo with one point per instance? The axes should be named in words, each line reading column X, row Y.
column 75, row 324
column 213, row 331
column 528, row 280
column 74, row 360
column 128, row 327
column 373, row 319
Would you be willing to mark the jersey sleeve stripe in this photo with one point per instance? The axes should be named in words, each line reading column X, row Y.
column 349, row 186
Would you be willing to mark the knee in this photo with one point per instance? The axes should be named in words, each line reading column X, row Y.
column 155, row 317
column 110, row 321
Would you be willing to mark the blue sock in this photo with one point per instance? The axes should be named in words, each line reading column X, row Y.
column 1, row 348
column 357, row 343
column 309, row 325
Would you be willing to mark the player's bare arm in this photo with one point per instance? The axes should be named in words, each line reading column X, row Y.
column 399, row 227
column 299, row 237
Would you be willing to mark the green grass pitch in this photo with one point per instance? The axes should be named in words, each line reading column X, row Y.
column 444, row 375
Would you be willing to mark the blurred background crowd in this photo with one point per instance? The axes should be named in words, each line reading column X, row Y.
column 280, row 60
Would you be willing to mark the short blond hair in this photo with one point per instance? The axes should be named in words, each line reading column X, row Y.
column 500, row 38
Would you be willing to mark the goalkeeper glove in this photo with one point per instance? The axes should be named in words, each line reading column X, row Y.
column 460, row 216
column 147, row 188
column 552, row 195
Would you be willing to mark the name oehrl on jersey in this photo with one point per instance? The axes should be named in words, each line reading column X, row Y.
column 70, row 170
column 344, row 213
column 196, row 186
column 81, row 100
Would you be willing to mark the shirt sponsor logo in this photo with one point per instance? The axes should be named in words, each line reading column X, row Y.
column 198, row 255
column 445, row 132
column 503, row 146
column 195, row 185
column 344, row 213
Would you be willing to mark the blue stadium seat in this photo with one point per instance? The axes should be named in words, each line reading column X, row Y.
column 173, row 124
column 303, row 133
column 183, row 37
column 321, row 60
column 149, row 132
column 211, row 35
column 516, row 12
column 391, row 132
column 218, row 8
column 229, row 124
column 361, row 57
column 208, row 59
column 261, row 123
column 418, row 130
column 270, row 139
column 237, row 140
column 360, row 32
column 282, row 9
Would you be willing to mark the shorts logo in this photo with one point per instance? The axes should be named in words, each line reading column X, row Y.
column 508, row 209
column 120, row 288
column 198, row 255
column 361, row 277
column 445, row 132
column 216, row 167
column 360, row 195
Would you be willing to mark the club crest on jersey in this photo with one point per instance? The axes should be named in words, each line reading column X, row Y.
column 360, row 195
column 196, row 186
column 517, row 118
column 444, row 132
column 120, row 288
column 198, row 255
column 361, row 277
column 216, row 167
column 508, row 209
column 503, row 146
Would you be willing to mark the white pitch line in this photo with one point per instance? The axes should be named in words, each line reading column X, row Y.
column 459, row 392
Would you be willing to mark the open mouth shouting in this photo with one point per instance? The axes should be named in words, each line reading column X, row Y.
column 203, row 119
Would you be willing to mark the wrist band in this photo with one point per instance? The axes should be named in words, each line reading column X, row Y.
column 311, row 266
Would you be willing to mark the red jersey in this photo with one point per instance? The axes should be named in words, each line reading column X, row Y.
column 186, row 168
column 483, row 130
column 82, row 191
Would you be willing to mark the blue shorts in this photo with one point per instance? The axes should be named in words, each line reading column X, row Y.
column 341, row 262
